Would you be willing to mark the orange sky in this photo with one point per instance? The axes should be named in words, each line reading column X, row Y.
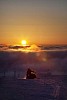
column 38, row 21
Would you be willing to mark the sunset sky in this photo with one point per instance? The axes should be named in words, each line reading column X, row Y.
column 37, row 21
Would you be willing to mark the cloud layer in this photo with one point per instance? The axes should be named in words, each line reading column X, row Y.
column 54, row 60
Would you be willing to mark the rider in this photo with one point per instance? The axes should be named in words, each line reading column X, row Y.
column 30, row 74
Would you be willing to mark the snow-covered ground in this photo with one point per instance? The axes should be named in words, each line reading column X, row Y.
column 32, row 89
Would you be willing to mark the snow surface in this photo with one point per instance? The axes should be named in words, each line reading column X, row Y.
column 31, row 89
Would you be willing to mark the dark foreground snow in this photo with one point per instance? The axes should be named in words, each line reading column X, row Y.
column 37, row 89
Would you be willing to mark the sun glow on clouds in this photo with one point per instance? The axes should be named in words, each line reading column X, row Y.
column 34, row 48
column 30, row 48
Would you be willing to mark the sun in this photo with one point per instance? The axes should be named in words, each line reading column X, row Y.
column 24, row 42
